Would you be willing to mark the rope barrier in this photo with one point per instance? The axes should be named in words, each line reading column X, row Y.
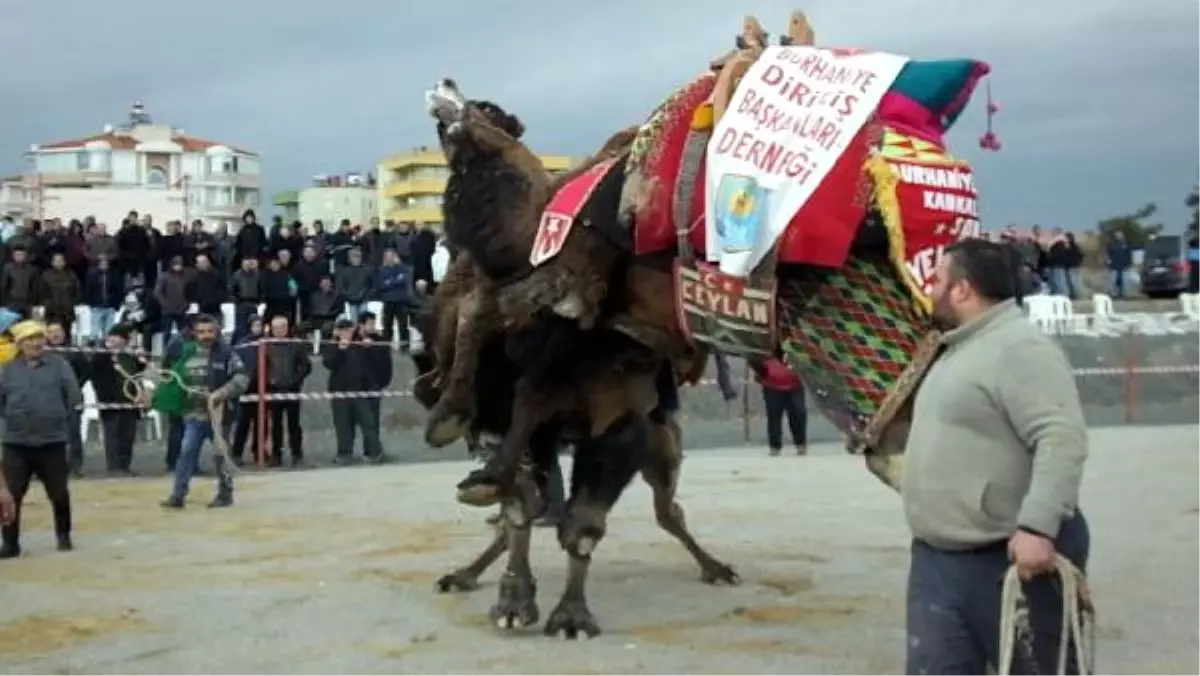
column 394, row 394
column 1078, row 621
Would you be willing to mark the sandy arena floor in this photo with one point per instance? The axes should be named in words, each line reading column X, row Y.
column 333, row 572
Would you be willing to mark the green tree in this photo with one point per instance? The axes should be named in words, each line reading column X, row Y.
column 1193, row 205
column 1136, row 227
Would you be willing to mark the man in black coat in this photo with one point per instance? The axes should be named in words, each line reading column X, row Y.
column 288, row 365
column 110, row 374
column 251, row 239
column 356, row 363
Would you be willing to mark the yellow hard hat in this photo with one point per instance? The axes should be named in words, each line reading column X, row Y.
column 27, row 329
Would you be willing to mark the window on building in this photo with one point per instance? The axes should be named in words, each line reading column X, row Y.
column 157, row 176
column 423, row 201
column 83, row 161
column 223, row 164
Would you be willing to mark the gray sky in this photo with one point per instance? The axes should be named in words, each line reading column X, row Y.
column 1099, row 98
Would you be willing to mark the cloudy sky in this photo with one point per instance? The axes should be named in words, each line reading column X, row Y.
column 1099, row 97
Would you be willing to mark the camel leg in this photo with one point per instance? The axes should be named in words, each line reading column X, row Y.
column 543, row 450
column 661, row 472
column 496, row 478
column 452, row 414
column 467, row 578
column 604, row 466
column 516, row 602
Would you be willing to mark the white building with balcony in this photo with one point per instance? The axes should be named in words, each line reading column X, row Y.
column 15, row 197
column 145, row 167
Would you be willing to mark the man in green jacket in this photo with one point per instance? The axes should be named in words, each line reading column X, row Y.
column 994, row 461
column 208, row 373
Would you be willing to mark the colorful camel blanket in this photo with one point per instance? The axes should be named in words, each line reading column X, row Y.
column 794, row 138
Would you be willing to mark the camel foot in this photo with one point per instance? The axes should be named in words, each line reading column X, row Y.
column 717, row 573
column 572, row 620
column 479, row 489
column 516, row 607
column 458, row 581
column 446, row 427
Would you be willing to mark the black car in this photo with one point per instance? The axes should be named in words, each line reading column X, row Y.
column 1164, row 270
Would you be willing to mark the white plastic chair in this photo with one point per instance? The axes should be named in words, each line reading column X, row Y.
column 416, row 341
column 83, row 325
column 153, row 417
column 1054, row 315
column 1105, row 320
column 89, row 414
column 228, row 318
column 1190, row 304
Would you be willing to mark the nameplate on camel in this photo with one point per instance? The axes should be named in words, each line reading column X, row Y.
column 727, row 312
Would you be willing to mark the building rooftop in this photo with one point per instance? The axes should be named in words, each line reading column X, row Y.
column 122, row 138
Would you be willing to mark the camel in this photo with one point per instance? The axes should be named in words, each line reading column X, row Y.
column 608, row 394
column 854, row 323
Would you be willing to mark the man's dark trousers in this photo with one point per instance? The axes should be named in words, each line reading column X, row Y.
column 954, row 607
column 352, row 415
column 48, row 462
column 120, row 432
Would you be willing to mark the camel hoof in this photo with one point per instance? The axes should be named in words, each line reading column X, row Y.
column 718, row 573
column 458, row 581
column 478, row 496
column 516, row 606
column 572, row 620
column 479, row 489
column 445, row 428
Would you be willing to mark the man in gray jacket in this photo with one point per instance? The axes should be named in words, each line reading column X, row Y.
column 38, row 393
column 994, row 462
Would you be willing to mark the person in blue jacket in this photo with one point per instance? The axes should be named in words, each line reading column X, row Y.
column 394, row 285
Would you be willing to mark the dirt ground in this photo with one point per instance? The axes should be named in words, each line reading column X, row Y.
column 333, row 572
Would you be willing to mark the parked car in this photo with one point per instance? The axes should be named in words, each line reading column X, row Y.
column 1164, row 270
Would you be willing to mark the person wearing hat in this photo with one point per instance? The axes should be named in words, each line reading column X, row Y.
column 352, row 368
column 8, row 347
column 38, row 393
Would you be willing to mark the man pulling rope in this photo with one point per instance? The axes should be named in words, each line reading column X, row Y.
column 202, row 374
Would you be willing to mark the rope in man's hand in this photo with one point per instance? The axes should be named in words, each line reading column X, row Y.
column 1078, row 621
column 138, row 387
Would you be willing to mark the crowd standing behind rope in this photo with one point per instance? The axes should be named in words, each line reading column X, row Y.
column 159, row 282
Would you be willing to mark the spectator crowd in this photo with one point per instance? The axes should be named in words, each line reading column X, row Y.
column 282, row 281
column 305, row 273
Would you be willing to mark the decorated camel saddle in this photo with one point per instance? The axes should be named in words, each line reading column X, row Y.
column 805, row 196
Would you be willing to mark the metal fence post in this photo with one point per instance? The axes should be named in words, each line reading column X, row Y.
column 261, row 432
column 746, row 402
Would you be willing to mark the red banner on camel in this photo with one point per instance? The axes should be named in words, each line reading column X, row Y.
column 559, row 215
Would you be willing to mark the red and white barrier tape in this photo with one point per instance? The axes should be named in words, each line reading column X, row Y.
column 1135, row 370
column 393, row 394
column 307, row 396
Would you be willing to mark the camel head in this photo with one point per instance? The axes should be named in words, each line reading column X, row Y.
column 497, row 186
column 465, row 125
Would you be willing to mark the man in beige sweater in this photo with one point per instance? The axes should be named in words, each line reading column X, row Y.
column 994, row 462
